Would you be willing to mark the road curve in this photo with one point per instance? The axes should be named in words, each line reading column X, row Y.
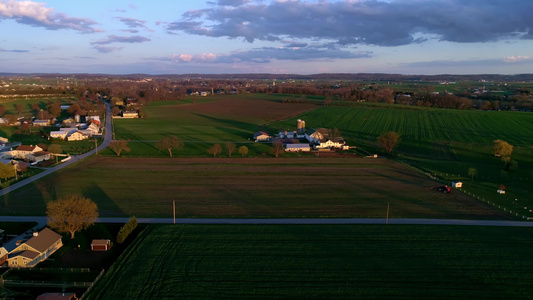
column 302, row 221
column 108, row 136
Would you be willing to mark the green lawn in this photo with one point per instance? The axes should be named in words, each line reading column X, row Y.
column 322, row 262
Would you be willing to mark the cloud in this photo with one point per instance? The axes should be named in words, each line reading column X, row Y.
column 106, row 49
column 121, row 39
column 133, row 23
column 267, row 54
column 232, row 2
column 515, row 59
column 38, row 15
column 370, row 22
column 13, row 51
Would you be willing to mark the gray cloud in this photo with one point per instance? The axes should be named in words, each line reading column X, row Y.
column 121, row 39
column 38, row 15
column 134, row 23
column 370, row 22
column 13, row 51
column 106, row 49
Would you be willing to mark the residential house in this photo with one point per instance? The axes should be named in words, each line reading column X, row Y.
column 337, row 143
column 91, row 130
column 297, row 148
column 100, row 245
column 23, row 151
column 62, row 133
column 261, row 136
column 35, row 250
column 38, row 156
column 77, row 136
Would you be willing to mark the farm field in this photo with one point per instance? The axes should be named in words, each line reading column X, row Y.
column 443, row 142
column 249, row 187
column 213, row 120
column 322, row 262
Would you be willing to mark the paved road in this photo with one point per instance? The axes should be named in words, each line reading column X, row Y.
column 108, row 136
column 302, row 221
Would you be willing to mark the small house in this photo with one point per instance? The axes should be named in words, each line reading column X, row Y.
column 261, row 136
column 77, row 136
column 457, row 184
column 38, row 156
column 100, row 245
column 23, row 151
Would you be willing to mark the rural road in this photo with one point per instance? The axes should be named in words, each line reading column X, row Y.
column 308, row 221
column 108, row 136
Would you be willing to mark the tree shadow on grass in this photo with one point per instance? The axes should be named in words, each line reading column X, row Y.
column 106, row 206
column 26, row 201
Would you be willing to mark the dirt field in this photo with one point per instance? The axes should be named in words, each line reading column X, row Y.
column 237, row 108
column 246, row 187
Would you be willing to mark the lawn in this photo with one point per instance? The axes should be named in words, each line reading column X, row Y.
column 248, row 187
column 322, row 262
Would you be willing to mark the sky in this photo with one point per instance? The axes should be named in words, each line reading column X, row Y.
column 267, row 36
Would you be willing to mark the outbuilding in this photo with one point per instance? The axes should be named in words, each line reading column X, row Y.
column 457, row 184
column 100, row 245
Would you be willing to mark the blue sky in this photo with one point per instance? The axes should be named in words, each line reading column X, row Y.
column 263, row 36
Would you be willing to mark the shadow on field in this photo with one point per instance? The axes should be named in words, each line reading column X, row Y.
column 31, row 202
column 94, row 192
column 233, row 123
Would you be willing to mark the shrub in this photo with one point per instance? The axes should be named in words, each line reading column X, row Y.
column 126, row 230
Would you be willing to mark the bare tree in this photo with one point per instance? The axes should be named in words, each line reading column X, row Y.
column 72, row 213
column 243, row 151
column 119, row 146
column 230, row 147
column 277, row 148
column 169, row 143
column 388, row 141
column 215, row 149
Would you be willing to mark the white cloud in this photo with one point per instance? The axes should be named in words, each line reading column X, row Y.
column 38, row 15
column 514, row 59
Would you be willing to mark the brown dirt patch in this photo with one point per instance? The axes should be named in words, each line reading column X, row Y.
column 251, row 108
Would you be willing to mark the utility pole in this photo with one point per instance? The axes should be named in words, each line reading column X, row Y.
column 96, row 146
column 388, row 206
column 174, row 209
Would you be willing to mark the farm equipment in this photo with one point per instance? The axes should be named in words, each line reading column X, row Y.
column 443, row 188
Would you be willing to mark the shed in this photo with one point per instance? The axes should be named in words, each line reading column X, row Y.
column 457, row 184
column 100, row 245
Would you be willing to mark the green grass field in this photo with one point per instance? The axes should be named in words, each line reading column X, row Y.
column 322, row 262
column 248, row 187
column 442, row 142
